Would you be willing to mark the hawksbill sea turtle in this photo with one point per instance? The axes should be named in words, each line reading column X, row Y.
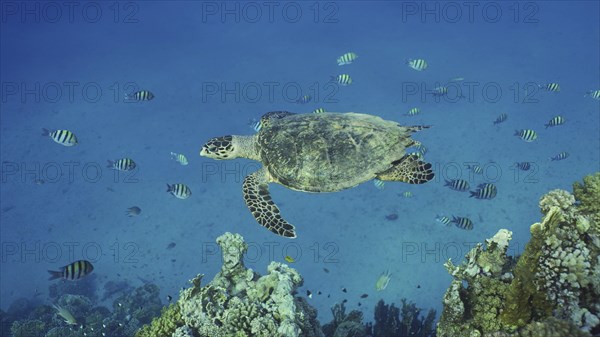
column 325, row 152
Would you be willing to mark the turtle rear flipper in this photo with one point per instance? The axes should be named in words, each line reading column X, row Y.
column 408, row 169
column 262, row 207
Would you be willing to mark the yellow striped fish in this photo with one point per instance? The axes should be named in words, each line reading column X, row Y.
column 379, row 184
column 553, row 87
column 142, row 95
column 73, row 271
column 526, row 134
column 342, row 79
column 558, row 120
column 304, row 99
column 417, row 64
column 595, row 94
column 62, row 137
column 413, row 112
column 319, row 111
column 180, row 158
column 407, row 194
column 346, row 58
column 289, row 259
column 180, row 191
column 123, row 164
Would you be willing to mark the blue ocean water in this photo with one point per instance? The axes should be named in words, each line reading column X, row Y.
column 214, row 67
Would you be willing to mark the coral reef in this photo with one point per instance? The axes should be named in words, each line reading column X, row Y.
column 86, row 287
column 344, row 325
column 28, row 328
column 554, row 287
column 239, row 302
column 166, row 324
column 588, row 196
column 130, row 313
column 391, row 321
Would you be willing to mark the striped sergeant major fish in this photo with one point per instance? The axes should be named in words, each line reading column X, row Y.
column 417, row 64
column 558, row 120
column 501, row 119
column 439, row 91
column 527, row 135
column 73, row 271
column 62, row 137
column 255, row 124
column 180, row 191
column 342, row 79
column 475, row 169
column 123, row 164
column 319, row 111
column 413, row 112
column 457, row 184
column 552, row 87
column 443, row 220
column 142, row 95
column 524, row 166
column 422, row 148
column 304, row 99
column 595, row 94
column 462, row 222
column 179, row 157
column 560, row 156
column 346, row 58
column 379, row 184
column 485, row 191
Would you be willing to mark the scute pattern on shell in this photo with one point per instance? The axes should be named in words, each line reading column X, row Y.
column 330, row 151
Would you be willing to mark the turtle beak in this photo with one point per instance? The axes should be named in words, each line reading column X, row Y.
column 203, row 151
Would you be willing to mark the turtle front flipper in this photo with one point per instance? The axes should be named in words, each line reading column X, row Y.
column 408, row 169
column 262, row 207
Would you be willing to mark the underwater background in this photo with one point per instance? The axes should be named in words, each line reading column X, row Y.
column 214, row 68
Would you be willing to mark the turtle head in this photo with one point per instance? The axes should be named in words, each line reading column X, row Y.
column 219, row 148
column 230, row 147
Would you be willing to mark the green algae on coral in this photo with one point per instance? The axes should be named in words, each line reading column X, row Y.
column 163, row 325
column 588, row 196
